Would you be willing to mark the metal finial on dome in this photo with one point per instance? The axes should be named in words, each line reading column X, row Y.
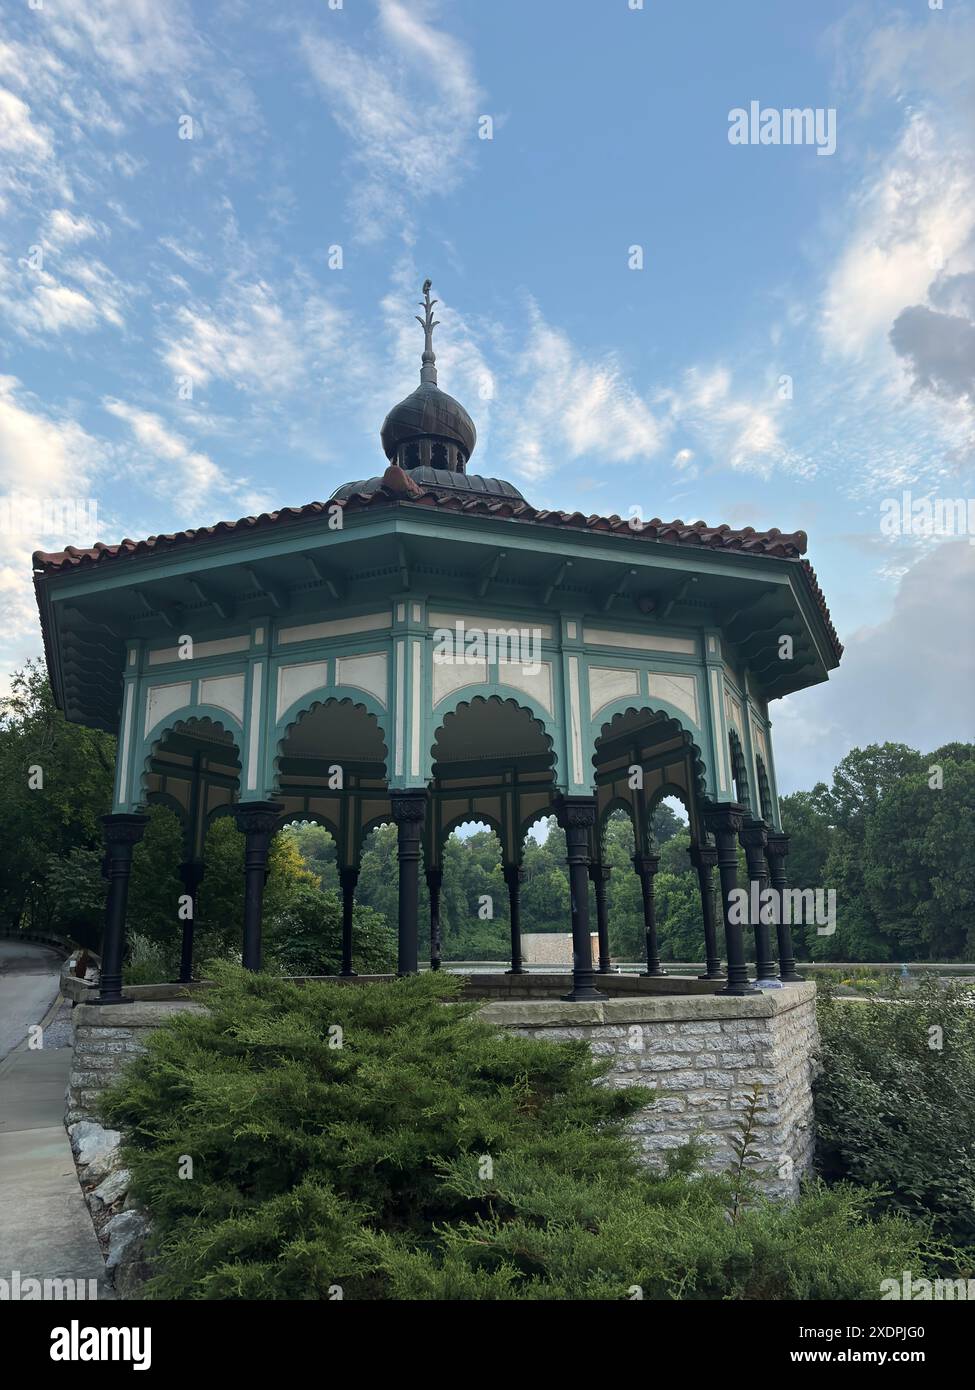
column 428, row 371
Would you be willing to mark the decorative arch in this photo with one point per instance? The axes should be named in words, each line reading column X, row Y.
column 764, row 791
column 205, row 717
column 528, row 821
column 618, row 803
column 309, row 705
column 680, row 794
column 316, row 818
column 472, row 818
column 488, row 695
column 337, row 694
column 213, row 715
column 659, row 711
column 739, row 770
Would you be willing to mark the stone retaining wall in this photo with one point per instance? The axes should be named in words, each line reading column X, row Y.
column 706, row 1051
column 105, row 1037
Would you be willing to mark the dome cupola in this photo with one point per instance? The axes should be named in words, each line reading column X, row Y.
column 429, row 428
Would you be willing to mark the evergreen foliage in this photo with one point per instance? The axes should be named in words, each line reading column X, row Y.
column 420, row 1154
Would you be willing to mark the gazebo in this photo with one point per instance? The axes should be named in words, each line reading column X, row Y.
column 429, row 648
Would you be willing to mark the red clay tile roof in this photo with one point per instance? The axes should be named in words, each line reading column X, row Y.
column 398, row 486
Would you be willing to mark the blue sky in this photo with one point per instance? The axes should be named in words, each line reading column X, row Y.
column 177, row 346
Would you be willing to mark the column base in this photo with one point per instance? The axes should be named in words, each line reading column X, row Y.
column 738, row 990
column 712, row 975
column 348, row 974
column 792, row 977
column 120, row 1000
column 516, row 970
column 583, row 994
column 653, row 974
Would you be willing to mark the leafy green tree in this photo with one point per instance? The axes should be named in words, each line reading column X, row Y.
column 304, row 936
column 55, row 783
column 895, row 1102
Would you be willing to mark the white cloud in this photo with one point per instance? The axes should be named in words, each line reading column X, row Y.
column 41, row 457
column 249, row 340
column 63, row 228
column 736, row 431
column 189, row 478
column 19, row 134
column 562, row 405
column 36, row 302
column 409, row 106
column 908, row 679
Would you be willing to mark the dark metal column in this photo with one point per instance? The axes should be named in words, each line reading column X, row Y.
column 704, row 858
column 646, row 866
column 122, row 833
column 777, row 849
column 409, row 812
column 348, row 878
column 577, row 816
column 724, row 823
column 191, row 875
column 434, row 884
column 257, row 821
column 599, row 878
column 753, row 836
column 514, row 877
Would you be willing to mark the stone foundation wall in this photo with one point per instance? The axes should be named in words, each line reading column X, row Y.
column 105, row 1038
column 705, row 1051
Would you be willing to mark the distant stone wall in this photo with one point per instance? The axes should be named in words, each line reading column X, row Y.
column 706, row 1050
column 551, row 948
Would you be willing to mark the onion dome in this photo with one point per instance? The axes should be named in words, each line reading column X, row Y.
column 429, row 428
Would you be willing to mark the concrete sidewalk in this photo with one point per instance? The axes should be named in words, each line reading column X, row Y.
column 45, row 1227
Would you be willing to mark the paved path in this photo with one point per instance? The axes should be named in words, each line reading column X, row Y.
column 45, row 1228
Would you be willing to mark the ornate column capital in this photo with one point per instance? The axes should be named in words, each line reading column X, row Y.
column 349, row 874
column 123, row 830
column 753, row 836
column 575, row 812
column 646, row 863
column 599, row 873
column 408, row 805
column 257, row 817
column 724, row 818
column 777, row 844
column 703, row 856
column 514, row 874
column 434, row 877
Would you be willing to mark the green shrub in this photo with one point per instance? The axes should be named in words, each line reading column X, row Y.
column 149, row 962
column 895, row 1101
column 421, row 1154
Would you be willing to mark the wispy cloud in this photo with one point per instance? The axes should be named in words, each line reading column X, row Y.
column 408, row 104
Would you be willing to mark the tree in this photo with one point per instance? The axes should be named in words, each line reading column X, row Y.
column 55, row 783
